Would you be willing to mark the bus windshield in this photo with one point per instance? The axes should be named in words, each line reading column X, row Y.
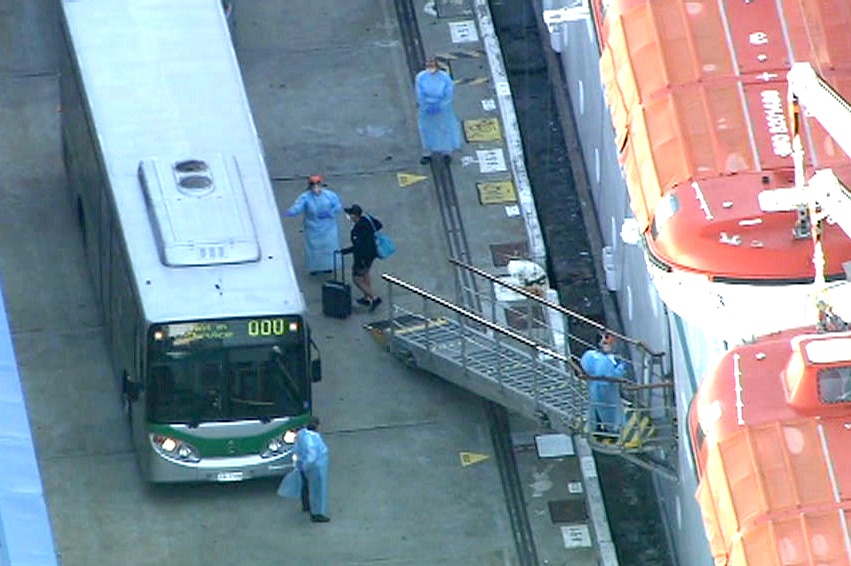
column 227, row 371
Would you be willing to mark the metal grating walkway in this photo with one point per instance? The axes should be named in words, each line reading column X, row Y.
column 530, row 377
column 526, row 379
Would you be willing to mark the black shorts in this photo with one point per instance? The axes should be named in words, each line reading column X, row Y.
column 361, row 266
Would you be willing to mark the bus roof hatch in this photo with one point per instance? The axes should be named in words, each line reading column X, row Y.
column 199, row 212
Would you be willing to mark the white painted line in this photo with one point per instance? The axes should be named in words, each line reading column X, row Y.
column 510, row 127
column 589, row 469
column 597, row 510
column 596, row 506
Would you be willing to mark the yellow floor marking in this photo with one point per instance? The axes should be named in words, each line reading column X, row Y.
column 482, row 130
column 408, row 179
column 470, row 458
column 496, row 192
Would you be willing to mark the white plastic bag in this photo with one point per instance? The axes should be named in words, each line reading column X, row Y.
column 290, row 486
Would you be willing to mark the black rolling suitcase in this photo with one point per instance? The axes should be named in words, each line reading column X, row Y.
column 336, row 293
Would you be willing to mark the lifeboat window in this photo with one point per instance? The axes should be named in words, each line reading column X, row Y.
column 834, row 385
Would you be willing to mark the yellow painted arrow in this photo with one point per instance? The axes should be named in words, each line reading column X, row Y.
column 470, row 458
column 407, row 179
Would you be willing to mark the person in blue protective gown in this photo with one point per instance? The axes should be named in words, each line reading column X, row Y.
column 605, row 405
column 319, row 205
column 311, row 459
column 440, row 131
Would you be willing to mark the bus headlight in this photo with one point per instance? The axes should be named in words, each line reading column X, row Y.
column 174, row 449
column 277, row 445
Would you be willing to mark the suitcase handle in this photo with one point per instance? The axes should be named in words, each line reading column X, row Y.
column 342, row 266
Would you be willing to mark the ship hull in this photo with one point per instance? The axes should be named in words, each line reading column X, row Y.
column 753, row 307
column 643, row 313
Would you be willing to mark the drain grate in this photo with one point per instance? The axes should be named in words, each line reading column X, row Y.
column 568, row 510
column 452, row 8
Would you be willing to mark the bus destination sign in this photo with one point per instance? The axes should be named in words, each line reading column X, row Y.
column 234, row 331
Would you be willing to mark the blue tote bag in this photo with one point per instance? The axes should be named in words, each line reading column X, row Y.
column 384, row 245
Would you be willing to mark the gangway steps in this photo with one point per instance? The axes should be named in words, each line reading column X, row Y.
column 475, row 359
column 529, row 373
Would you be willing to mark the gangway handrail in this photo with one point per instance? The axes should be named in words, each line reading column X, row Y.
column 540, row 348
column 475, row 317
column 634, row 438
column 544, row 302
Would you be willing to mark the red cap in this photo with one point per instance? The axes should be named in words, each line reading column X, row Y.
column 313, row 179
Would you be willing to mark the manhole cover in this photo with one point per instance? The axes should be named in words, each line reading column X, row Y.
column 568, row 510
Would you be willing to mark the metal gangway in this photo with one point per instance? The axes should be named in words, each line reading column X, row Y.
column 518, row 349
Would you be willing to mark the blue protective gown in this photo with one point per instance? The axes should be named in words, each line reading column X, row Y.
column 440, row 131
column 321, row 235
column 605, row 396
column 312, row 459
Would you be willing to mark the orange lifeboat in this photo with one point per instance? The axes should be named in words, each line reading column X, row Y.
column 770, row 428
column 697, row 93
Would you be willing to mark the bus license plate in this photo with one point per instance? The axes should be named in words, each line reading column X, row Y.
column 229, row 476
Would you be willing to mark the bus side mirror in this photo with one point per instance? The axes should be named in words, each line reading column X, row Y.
column 131, row 390
column 315, row 362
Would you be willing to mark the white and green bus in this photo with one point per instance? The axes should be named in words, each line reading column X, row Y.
column 183, row 240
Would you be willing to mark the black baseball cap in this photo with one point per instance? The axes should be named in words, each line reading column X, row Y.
column 354, row 209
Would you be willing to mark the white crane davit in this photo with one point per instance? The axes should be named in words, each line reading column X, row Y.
column 824, row 196
column 821, row 101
